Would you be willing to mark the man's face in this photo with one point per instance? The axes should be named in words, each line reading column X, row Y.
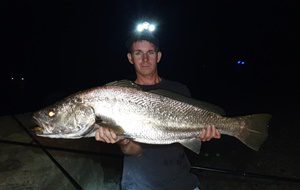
column 144, row 57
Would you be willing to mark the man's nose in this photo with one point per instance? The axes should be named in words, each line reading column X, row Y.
column 145, row 56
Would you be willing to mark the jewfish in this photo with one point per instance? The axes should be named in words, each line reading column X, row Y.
column 154, row 117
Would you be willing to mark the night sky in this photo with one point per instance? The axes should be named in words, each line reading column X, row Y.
column 59, row 47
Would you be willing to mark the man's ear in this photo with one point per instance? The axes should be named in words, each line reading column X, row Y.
column 129, row 57
column 159, row 54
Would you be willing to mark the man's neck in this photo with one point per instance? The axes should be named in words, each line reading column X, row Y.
column 148, row 80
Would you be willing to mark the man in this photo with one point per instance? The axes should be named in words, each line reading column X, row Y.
column 153, row 167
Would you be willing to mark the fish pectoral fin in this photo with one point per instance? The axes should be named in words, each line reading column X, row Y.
column 192, row 144
column 124, row 136
column 91, row 131
column 117, row 129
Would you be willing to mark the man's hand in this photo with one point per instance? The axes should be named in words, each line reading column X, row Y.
column 209, row 133
column 127, row 146
column 106, row 135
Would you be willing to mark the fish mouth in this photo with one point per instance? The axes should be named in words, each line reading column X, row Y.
column 42, row 127
column 42, row 130
column 37, row 130
column 36, row 120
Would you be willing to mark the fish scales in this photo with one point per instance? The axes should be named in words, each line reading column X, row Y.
column 146, row 117
column 160, row 111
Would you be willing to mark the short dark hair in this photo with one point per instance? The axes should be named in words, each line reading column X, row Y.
column 147, row 36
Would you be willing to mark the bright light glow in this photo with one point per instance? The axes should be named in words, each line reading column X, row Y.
column 151, row 28
column 239, row 62
column 140, row 28
column 145, row 26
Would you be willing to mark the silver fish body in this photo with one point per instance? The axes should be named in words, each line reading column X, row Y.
column 145, row 117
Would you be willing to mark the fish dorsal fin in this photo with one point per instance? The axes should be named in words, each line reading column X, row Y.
column 201, row 104
column 124, row 83
column 166, row 93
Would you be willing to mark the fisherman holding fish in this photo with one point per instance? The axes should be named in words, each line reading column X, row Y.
column 146, row 166
column 151, row 119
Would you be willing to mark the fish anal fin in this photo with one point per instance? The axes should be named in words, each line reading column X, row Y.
column 192, row 144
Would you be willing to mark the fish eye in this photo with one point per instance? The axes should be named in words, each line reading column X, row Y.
column 51, row 114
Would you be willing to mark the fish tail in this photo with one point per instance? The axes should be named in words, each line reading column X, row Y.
column 253, row 130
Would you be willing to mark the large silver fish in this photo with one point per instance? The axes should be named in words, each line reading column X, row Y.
column 155, row 117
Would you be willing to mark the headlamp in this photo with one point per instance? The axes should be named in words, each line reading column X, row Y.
column 145, row 26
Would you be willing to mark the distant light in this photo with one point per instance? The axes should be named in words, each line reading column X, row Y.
column 145, row 26
column 240, row 62
column 22, row 78
column 12, row 78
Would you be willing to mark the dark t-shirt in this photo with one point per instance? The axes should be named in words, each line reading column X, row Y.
column 160, row 167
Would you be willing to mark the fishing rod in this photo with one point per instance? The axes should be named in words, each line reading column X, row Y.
column 246, row 174
column 61, row 149
column 69, row 177
column 200, row 168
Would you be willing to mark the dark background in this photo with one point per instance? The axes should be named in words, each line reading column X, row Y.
column 60, row 47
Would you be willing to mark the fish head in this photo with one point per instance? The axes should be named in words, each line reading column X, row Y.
column 69, row 118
